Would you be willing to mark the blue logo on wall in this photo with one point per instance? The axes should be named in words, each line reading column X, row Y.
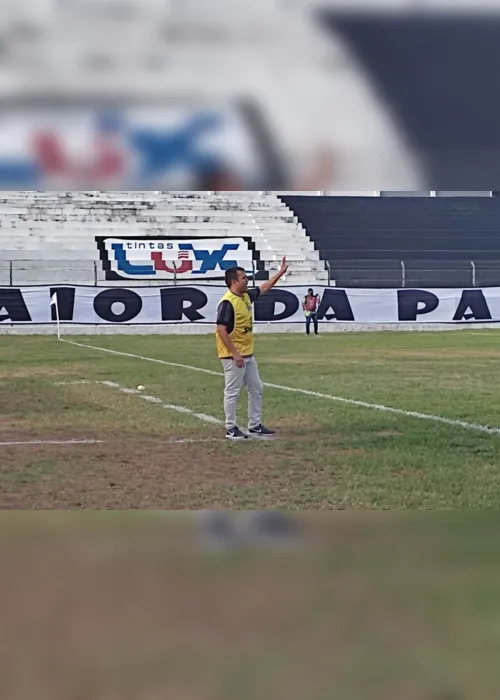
column 167, row 258
column 211, row 259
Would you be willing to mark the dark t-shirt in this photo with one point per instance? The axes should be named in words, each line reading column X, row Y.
column 225, row 312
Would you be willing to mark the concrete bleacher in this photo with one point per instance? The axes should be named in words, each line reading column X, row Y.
column 49, row 237
column 394, row 241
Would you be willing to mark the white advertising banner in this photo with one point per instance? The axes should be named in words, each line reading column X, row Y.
column 148, row 258
column 198, row 304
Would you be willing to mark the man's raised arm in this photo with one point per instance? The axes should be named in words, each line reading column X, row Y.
column 267, row 286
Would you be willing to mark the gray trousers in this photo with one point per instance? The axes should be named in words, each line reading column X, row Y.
column 235, row 378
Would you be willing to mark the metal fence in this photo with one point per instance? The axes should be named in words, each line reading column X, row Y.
column 345, row 273
column 416, row 273
column 25, row 273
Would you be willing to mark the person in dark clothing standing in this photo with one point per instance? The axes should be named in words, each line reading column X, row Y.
column 310, row 306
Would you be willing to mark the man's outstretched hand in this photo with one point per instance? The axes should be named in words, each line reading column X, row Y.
column 264, row 288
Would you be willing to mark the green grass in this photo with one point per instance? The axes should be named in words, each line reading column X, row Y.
column 383, row 606
column 330, row 455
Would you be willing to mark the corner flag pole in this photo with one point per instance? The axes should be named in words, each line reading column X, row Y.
column 55, row 302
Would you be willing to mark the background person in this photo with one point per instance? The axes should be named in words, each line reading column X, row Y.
column 311, row 306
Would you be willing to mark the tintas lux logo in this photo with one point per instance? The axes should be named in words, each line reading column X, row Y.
column 167, row 258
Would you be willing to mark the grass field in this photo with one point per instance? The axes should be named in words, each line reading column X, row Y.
column 329, row 455
column 384, row 606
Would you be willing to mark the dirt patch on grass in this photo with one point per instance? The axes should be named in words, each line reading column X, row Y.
column 56, row 370
column 296, row 424
column 8, row 423
column 307, row 359
column 24, row 431
column 448, row 354
column 148, row 472
column 38, row 400
column 121, row 473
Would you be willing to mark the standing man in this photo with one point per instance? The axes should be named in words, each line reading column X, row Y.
column 310, row 306
column 235, row 349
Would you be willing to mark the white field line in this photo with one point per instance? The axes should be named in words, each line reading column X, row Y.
column 170, row 406
column 152, row 399
column 186, row 441
column 315, row 394
column 51, row 442
column 82, row 381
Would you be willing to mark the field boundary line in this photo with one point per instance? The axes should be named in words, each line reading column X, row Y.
column 194, row 441
column 50, row 442
column 455, row 422
column 170, row 406
column 205, row 417
column 142, row 357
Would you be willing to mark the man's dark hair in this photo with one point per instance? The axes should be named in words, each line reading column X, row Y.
column 232, row 275
column 310, row 291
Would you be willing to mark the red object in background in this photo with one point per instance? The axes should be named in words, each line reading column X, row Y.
column 108, row 161
column 49, row 154
column 111, row 161
column 161, row 265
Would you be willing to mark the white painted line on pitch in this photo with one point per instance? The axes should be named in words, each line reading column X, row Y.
column 74, row 383
column 140, row 357
column 171, row 407
column 186, row 441
column 151, row 399
column 390, row 409
column 51, row 442
column 489, row 333
column 316, row 394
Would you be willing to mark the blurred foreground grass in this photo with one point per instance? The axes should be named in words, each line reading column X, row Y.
column 130, row 605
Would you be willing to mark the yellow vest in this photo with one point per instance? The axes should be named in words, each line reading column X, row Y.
column 242, row 334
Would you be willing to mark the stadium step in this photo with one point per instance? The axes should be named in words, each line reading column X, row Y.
column 59, row 227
